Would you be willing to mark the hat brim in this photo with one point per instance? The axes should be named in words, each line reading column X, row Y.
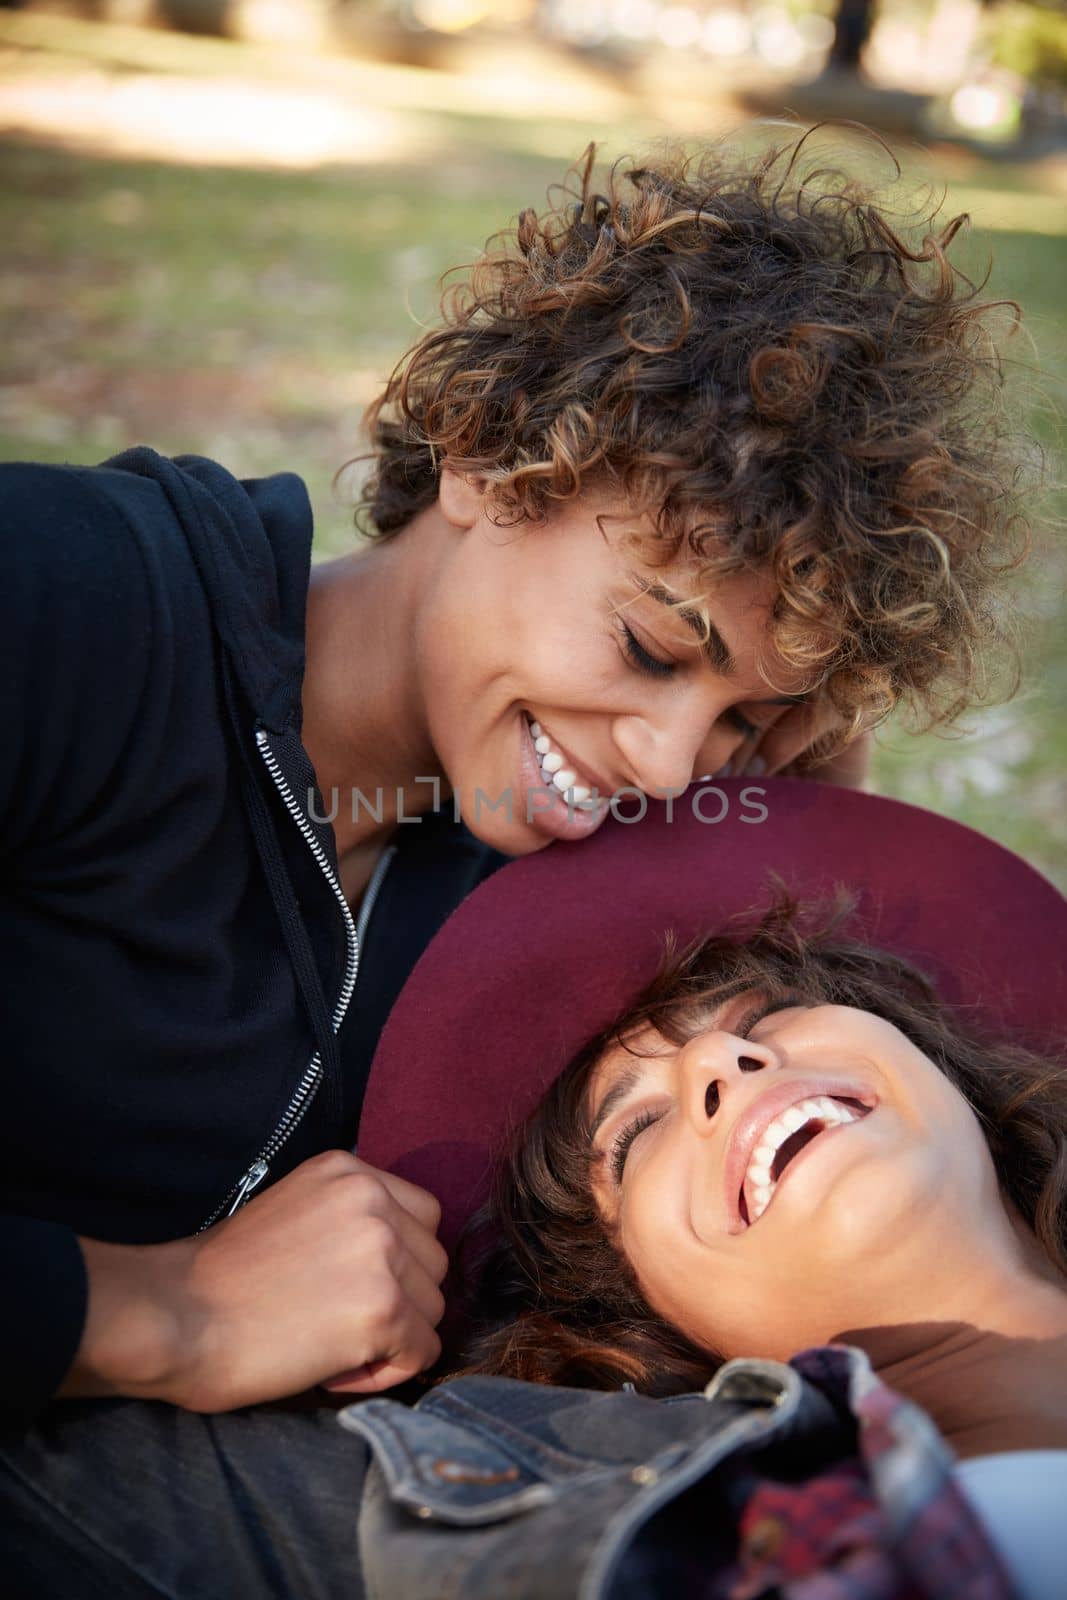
column 554, row 945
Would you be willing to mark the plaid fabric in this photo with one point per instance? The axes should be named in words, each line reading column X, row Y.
column 888, row 1523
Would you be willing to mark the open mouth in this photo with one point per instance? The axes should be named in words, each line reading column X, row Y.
column 778, row 1146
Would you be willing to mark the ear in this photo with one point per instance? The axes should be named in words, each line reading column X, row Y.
column 461, row 496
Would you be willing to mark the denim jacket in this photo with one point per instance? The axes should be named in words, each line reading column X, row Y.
column 810, row 1479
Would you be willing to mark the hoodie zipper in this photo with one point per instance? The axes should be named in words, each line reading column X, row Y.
column 311, row 1080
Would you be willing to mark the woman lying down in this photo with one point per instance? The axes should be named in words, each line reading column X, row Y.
column 784, row 1152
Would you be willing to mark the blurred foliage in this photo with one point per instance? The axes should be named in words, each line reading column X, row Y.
column 1030, row 40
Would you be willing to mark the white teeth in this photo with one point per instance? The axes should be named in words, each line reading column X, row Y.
column 555, row 771
column 819, row 1108
column 833, row 1111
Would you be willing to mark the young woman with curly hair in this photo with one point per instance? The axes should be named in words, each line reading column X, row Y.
column 705, row 472
column 727, row 402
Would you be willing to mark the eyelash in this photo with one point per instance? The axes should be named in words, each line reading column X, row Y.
column 741, row 722
column 641, row 659
column 620, row 1145
column 751, row 1018
column 654, row 668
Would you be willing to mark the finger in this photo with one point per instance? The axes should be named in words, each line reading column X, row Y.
column 422, row 1245
column 794, row 734
column 371, row 1379
column 421, row 1291
column 419, row 1350
column 847, row 767
column 419, row 1203
column 746, row 758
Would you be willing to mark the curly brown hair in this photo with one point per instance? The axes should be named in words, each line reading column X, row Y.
column 548, row 1289
column 764, row 362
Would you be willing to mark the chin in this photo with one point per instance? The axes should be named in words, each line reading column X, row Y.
column 512, row 838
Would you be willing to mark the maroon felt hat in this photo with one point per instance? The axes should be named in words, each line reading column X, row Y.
column 554, row 945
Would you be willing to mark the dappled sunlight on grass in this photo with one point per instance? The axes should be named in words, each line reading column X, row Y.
column 222, row 249
column 218, row 121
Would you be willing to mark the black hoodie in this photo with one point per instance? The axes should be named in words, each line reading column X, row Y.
column 177, row 956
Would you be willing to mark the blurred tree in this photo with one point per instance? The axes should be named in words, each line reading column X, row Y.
column 196, row 16
column 852, row 28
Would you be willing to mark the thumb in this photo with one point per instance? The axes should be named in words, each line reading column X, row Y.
column 371, row 1378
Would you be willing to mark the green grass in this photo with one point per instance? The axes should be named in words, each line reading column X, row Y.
column 249, row 315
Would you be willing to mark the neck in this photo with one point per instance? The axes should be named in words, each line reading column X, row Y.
column 364, row 719
column 991, row 1383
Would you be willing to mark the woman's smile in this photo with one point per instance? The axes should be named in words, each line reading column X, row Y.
column 772, row 1136
column 582, row 789
column 554, row 796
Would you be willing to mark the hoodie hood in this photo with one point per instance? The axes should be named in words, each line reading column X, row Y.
column 251, row 541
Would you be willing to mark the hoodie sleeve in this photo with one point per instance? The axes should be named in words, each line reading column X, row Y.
column 74, row 653
column 75, row 641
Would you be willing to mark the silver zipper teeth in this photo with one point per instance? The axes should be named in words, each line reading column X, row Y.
column 308, row 1086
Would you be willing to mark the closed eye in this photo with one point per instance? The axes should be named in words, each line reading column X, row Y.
column 741, row 722
column 757, row 1014
column 623, row 1141
column 620, row 1145
column 640, row 658
column 745, row 725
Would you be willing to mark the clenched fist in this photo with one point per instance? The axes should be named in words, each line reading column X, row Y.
column 331, row 1276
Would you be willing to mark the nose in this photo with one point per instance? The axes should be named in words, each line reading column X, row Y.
column 710, row 1066
column 665, row 749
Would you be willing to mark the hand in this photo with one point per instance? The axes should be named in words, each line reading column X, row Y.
column 336, row 1269
column 848, row 768
column 782, row 750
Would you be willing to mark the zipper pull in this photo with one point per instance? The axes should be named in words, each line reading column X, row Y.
column 251, row 1180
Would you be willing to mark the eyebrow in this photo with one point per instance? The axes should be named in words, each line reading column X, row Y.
column 623, row 1086
column 712, row 642
column 714, row 646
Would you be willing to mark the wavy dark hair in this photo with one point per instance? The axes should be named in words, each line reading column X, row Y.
column 552, row 1298
column 775, row 369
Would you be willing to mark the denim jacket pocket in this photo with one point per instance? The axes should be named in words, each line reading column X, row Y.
column 442, row 1472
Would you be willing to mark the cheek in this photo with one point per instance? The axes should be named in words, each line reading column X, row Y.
column 671, row 1263
column 942, row 1123
column 700, row 1292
